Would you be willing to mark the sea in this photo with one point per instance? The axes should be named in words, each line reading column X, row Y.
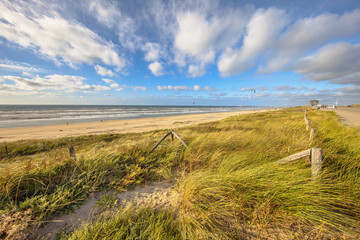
column 37, row 115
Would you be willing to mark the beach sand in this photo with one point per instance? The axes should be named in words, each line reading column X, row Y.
column 113, row 126
column 348, row 115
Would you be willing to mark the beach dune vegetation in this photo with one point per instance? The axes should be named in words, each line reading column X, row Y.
column 229, row 184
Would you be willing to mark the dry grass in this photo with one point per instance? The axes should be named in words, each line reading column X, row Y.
column 230, row 187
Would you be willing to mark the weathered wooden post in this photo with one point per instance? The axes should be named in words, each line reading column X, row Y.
column 312, row 133
column 6, row 151
column 172, row 136
column 178, row 137
column 71, row 150
column 43, row 147
column 308, row 125
column 160, row 141
column 316, row 159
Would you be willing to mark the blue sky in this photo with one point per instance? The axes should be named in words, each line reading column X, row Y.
column 267, row 53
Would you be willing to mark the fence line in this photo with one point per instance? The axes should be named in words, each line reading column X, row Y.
column 315, row 155
column 172, row 133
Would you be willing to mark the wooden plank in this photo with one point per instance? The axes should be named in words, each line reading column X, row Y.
column 182, row 141
column 316, row 159
column 295, row 156
column 163, row 138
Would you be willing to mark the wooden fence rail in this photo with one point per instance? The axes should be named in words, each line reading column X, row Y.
column 315, row 155
column 172, row 133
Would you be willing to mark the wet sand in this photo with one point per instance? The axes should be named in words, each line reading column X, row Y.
column 113, row 126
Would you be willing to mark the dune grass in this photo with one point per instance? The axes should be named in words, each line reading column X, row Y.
column 229, row 184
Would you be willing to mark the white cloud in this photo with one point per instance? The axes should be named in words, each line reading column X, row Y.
column 19, row 67
column 284, row 88
column 105, row 12
column 263, row 30
column 152, row 51
column 187, row 88
column 197, row 88
column 156, row 68
column 118, row 87
column 199, row 39
column 113, row 84
column 75, row 45
column 137, row 88
column 104, row 71
column 336, row 63
column 196, row 70
column 108, row 13
column 55, row 82
column 307, row 34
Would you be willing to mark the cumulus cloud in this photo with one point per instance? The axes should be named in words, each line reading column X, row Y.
column 152, row 51
column 199, row 38
column 336, row 63
column 75, row 45
column 156, row 68
column 55, row 82
column 104, row 71
column 119, row 87
column 187, row 88
column 307, row 34
column 113, row 84
column 284, row 88
column 262, row 31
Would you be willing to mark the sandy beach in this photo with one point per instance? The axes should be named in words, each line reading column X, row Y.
column 113, row 126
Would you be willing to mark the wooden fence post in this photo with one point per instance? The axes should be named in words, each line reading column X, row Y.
column 178, row 137
column 43, row 147
column 72, row 150
column 316, row 159
column 160, row 141
column 308, row 125
column 6, row 151
column 172, row 133
column 312, row 133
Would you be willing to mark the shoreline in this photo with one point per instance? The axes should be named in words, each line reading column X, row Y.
column 112, row 126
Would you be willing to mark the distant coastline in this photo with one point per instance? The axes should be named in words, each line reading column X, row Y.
column 14, row 116
column 112, row 126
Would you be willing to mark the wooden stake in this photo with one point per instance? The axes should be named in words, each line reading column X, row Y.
column 312, row 133
column 182, row 141
column 6, row 151
column 160, row 141
column 172, row 133
column 308, row 125
column 316, row 159
column 43, row 146
column 72, row 150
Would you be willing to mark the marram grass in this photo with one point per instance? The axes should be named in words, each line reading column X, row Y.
column 229, row 184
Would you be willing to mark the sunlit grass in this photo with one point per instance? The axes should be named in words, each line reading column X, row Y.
column 229, row 183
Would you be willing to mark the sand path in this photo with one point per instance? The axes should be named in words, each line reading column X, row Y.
column 349, row 115
column 114, row 126
column 157, row 194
